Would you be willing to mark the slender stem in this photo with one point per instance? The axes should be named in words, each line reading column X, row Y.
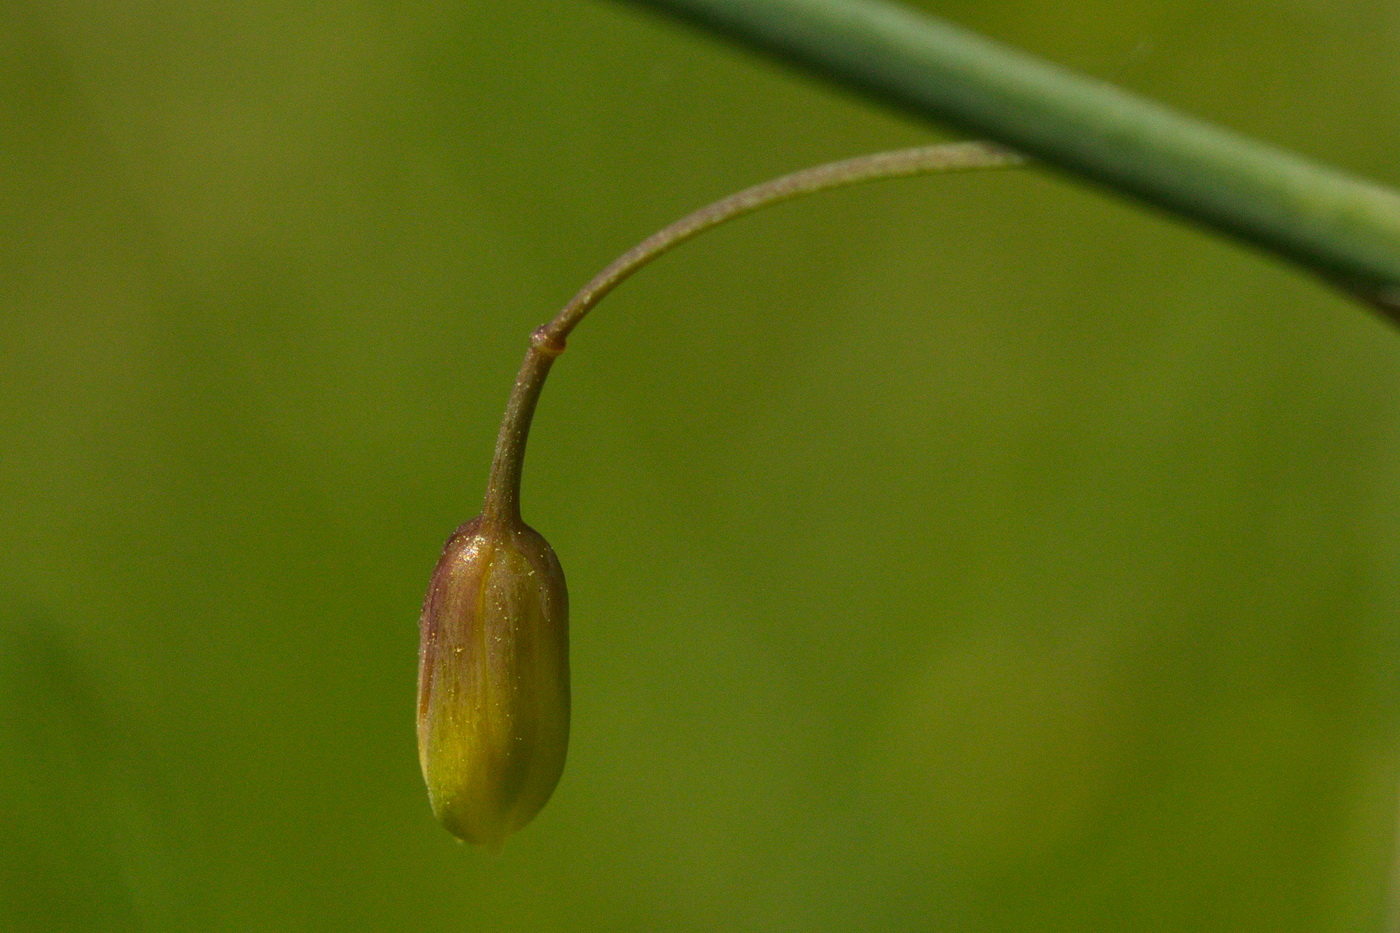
column 548, row 341
column 920, row 160
column 503, row 488
column 1340, row 226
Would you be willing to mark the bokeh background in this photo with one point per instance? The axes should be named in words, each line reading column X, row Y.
column 972, row 554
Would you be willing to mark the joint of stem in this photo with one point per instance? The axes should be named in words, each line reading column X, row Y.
column 545, row 342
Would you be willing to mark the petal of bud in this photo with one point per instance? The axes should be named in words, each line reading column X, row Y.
column 493, row 680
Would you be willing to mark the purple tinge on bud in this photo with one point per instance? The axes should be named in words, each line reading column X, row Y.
column 493, row 680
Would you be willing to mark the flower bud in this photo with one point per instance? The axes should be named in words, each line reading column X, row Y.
column 493, row 680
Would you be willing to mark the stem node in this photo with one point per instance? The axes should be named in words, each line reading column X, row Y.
column 545, row 341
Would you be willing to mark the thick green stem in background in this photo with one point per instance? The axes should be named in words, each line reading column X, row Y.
column 1342, row 227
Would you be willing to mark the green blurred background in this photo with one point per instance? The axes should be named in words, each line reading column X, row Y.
column 973, row 554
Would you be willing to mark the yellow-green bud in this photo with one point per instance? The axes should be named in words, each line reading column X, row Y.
column 493, row 680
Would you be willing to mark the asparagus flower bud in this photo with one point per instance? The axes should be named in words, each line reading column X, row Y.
column 493, row 666
column 493, row 680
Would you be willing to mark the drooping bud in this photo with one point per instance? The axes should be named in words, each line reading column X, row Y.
column 493, row 680
column 493, row 666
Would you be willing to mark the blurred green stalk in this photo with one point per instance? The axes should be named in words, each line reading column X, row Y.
column 1342, row 227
